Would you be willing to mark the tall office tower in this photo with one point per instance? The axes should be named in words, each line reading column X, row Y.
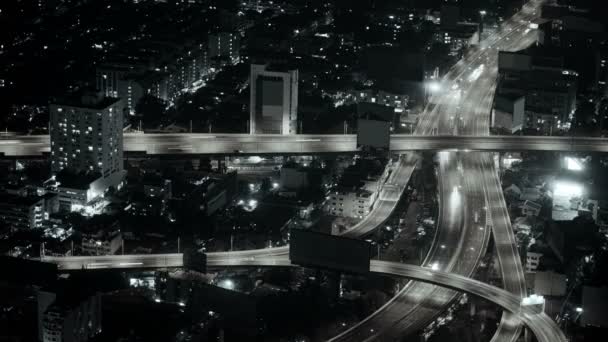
column 224, row 44
column 86, row 134
column 273, row 107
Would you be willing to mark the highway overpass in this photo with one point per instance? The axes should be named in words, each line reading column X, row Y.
column 541, row 325
column 230, row 144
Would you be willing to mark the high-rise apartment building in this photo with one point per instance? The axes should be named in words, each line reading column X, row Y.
column 86, row 134
column 273, row 100
column 224, row 44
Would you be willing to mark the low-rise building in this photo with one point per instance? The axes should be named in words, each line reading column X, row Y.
column 101, row 243
column 523, row 224
column 358, row 189
column 68, row 315
column 549, row 283
column 530, row 208
column 21, row 213
column 509, row 112
column 539, row 75
column 530, row 194
column 532, row 261
column 156, row 186
column 83, row 191
column 513, row 191
column 348, row 203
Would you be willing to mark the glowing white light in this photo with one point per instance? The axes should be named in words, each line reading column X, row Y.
column 579, row 309
column 253, row 203
column 227, row 284
column 567, row 189
column 435, row 266
column 573, row 164
column 533, row 300
column 275, row 185
column 434, row 87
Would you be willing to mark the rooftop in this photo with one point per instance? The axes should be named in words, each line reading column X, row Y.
column 86, row 100
column 70, row 179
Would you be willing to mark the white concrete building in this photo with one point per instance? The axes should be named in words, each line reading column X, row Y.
column 86, row 134
column 532, row 261
column 83, row 192
column 273, row 107
column 356, row 204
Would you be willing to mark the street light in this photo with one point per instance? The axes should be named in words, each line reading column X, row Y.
column 434, row 86
column 482, row 14
column 579, row 309
column 227, row 284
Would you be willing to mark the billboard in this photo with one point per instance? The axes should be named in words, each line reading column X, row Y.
column 309, row 248
column 373, row 134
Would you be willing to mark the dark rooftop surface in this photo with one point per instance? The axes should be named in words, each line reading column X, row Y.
column 90, row 101
column 69, row 179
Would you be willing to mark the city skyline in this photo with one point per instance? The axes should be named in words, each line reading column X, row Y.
column 310, row 170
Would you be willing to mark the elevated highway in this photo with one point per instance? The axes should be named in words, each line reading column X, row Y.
column 541, row 325
column 232, row 144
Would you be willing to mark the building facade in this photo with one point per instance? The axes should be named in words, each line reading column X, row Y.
column 273, row 100
column 224, row 44
column 21, row 213
column 101, row 243
column 86, row 135
column 355, row 204
column 66, row 320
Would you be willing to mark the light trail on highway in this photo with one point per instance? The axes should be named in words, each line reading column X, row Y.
column 476, row 100
column 480, row 123
column 191, row 144
column 543, row 327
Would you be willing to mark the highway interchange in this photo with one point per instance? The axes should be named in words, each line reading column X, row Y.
column 448, row 264
column 542, row 326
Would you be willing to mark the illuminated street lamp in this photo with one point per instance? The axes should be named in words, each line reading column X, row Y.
column 482, row 14
column 434, row 86
column 227, row 284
